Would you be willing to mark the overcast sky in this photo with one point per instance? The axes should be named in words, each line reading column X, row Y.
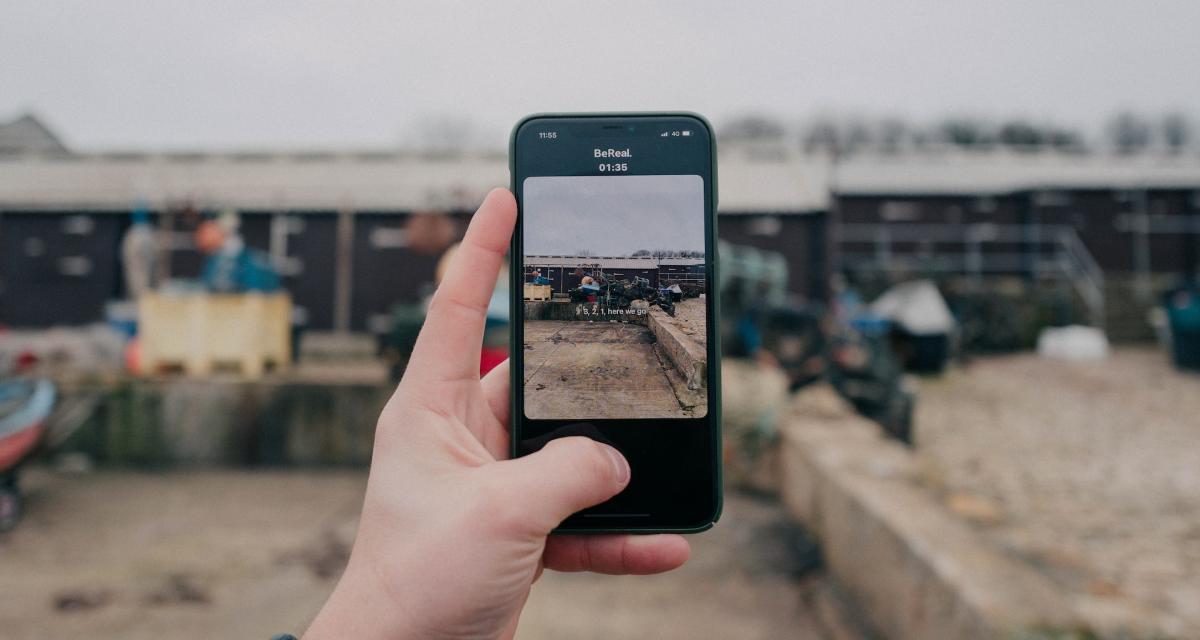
column 219, row 74
column 613, row 215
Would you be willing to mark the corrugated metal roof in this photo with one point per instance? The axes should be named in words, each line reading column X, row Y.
column 751, row 179
column 602, row 262
column 610, row 262
column 765, row 180
column 748, row 182
column 1007, row 171
column 244, row 181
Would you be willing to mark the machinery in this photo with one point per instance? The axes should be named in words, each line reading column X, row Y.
column 809, row 342
column 620, row 294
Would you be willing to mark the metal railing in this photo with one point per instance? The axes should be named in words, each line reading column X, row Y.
column 1084, row 272
column 977, row 250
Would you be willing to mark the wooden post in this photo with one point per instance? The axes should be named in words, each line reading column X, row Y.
column 1143, row 286
column 166, row 240
column 343, row 270
column 1191, row 236
column 279, row 238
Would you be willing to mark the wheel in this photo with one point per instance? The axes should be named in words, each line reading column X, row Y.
column 10, row 507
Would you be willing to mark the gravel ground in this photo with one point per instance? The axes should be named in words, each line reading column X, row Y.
column 235, row 554
column 1088, row 471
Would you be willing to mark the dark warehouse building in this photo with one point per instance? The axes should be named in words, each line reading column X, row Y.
column 351, row 233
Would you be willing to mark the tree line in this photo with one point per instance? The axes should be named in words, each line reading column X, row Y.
column 666, row 253
column 1126, row 132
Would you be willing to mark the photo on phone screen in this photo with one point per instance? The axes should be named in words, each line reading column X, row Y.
column 614, row 297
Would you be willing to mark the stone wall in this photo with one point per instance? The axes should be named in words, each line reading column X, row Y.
column 193, row 422
column 689, row 360
column 916, row 571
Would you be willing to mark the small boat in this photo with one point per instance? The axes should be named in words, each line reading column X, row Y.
column 25, row 406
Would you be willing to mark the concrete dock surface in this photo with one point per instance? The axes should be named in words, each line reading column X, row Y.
column 1089, row 472
column 582, row 370
column 245, row 554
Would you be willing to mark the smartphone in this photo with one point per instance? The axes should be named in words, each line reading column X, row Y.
column 614, row 307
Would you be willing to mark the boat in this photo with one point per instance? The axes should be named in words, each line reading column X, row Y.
column 25, row 406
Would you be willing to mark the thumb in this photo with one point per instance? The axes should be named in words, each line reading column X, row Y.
column 565, row 476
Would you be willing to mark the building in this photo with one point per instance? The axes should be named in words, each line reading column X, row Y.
column 682, row 271
column 356, row 232
column 567, row 272
column 1117, row 230
column 1131, row 213
column 28, row 134
column 352, row 233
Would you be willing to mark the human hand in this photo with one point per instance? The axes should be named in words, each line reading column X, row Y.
column 453, row 535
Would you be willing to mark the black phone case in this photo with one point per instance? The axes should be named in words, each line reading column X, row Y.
column 516, row 300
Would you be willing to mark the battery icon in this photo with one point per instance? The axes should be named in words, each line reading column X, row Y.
column 687, row 132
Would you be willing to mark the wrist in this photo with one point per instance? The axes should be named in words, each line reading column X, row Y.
column 361, row 608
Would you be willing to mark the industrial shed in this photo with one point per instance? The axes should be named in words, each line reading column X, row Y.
column 566, row 272
column 344, row 228
column 1114, row 230
column 1132, row 213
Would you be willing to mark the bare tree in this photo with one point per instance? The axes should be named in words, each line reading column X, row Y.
column 857, row 136
column 752, row 128
column 892, row 134
column 1063, row 139
column 824, row 135
column 1129, row 133
column 1021, row 135
column 965, row 132
column 1176, row 132
column 441, row 133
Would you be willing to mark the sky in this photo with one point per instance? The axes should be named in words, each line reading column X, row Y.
column 304, row 74
column 612, row 215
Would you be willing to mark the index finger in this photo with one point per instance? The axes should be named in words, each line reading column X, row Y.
column 449, row 344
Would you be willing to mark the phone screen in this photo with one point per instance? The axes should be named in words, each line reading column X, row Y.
column 613, row 328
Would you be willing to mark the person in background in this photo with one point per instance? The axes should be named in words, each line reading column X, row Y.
column 538, row 278
column 139, row 253
column 232, row 267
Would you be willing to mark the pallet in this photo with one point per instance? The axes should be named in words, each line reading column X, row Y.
column 537, row 292
column 200, row 332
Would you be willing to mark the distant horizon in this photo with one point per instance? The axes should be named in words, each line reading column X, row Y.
column 863, row 132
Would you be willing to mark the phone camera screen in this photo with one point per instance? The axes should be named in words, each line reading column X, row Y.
column 614, row 297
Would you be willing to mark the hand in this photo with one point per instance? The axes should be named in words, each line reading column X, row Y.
column 453, row 535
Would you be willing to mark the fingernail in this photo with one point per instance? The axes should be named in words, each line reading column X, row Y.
column 620, row 465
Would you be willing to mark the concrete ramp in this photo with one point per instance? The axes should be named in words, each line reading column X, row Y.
column 677, row 338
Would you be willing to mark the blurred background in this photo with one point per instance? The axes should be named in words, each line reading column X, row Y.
column 960, row 246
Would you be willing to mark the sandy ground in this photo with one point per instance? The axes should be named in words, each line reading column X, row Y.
column 203, row 555
column 1090, row 472
column 588, row 370
column 225, row 554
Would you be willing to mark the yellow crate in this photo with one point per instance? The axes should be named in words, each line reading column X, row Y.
column 537, row 291
column 200, row 330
